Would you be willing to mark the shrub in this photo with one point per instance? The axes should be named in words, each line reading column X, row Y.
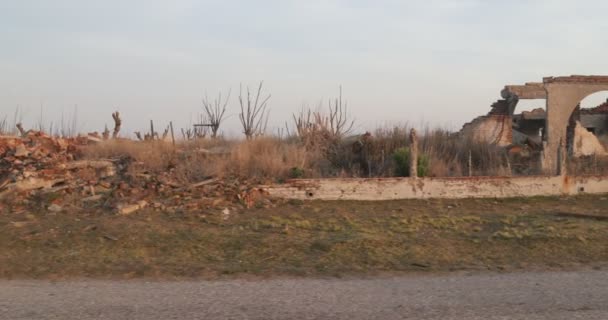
column 423, row 165
column 296, row 173
column 402, row 163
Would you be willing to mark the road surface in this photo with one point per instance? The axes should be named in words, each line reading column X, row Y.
column 546, row 295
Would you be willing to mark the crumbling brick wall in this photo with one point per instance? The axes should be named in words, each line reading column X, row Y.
column 496, row 127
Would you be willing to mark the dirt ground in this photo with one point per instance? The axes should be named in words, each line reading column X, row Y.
column 308, row 239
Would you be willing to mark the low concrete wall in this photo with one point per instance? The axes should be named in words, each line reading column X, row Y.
column 425, row 188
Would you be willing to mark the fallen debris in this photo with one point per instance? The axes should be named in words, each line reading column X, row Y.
column 55, row 208
column 125, row 209
column 96, row 197
column 109, row 237
column 55, row 173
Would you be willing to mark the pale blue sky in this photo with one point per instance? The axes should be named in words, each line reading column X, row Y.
column 439, row 62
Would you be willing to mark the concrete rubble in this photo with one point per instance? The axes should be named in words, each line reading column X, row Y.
column 40, row 170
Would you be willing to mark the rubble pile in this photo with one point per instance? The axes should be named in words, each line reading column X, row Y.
column 26, row 161
column 38, row 163
column 51, row 173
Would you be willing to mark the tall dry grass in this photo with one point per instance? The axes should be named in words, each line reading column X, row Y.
column 261, row 159
column 371, row 155
column 155, row 156
column 269, row 158
column 450, row 155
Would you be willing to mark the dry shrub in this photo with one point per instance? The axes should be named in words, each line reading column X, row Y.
column 324, row 128
column 384, row 143
column 442, row 167
column 367, row 155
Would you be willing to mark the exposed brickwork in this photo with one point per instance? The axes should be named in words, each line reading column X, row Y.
column 500, row 107
column 601, row 109
column 578, row 79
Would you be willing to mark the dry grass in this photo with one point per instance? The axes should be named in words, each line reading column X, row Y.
column 268, row 158
column 261, row 159
column 273, row 159
column 156, row 156
column 450, row 154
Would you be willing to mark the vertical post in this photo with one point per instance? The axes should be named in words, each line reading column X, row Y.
column 509, row 169
column 172, row 136
column 413, row 154
column 470, row 163
column 151, row 130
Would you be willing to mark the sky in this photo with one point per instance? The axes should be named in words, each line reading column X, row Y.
column 425, row 63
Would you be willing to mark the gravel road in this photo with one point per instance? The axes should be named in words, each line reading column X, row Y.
column 546, row 295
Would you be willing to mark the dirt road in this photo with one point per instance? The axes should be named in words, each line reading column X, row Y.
column 560, row 295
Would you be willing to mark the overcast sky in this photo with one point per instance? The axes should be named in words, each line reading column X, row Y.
column 436, row 62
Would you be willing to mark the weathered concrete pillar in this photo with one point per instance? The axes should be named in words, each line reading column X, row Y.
column 413, row 154
column 563, row 95
column 560, row 104
column 470, row 164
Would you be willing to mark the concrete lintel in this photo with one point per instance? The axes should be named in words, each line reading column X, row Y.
column 531, row 90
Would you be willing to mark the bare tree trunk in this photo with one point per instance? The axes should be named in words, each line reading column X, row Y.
column 117, row 124
column 172, row 135
column 151, row 130
column 106, row 133
column 21, row 130
column 253, row 115
column 215, row 112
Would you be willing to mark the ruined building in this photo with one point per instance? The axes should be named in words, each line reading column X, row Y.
column 563, row 129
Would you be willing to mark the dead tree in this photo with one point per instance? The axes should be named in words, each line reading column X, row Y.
column 165, row 133
column 254, row 115
column 201, row 129
column 106, row 133
column 21, row 130
column 319, row 127
column 138, row 135
column 196, row 132
column 117, row 124
column 187, row 134
column 215, row 112
column 303, row 123
column 339, row 122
